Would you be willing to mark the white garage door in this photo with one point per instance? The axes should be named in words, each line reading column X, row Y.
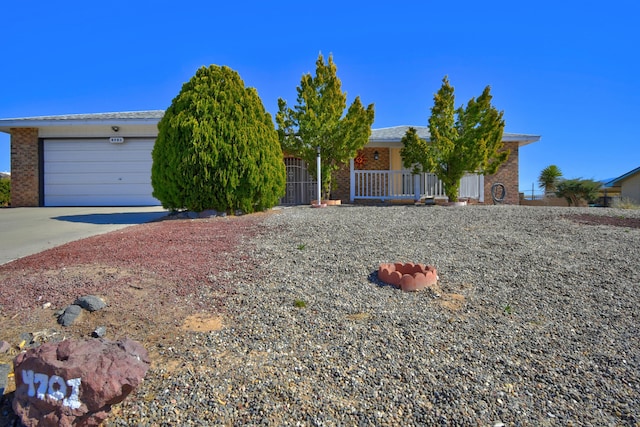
column 95, row 172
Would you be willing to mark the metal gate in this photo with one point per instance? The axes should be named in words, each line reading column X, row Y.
column 301, row 188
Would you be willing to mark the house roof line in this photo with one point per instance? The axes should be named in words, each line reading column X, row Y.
column 395, row 134
column 147, row 117
column 151, row 117
column 615, row 181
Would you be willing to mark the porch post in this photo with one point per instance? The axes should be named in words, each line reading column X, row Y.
column 319, row 177
column 481, row 188
column 416, row 187
column 352, row 181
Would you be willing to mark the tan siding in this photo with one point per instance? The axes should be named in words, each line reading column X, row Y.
column 631, row 188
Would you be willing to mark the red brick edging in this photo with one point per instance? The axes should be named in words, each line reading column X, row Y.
column 408, row 276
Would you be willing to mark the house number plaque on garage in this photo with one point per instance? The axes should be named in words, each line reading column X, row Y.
column 116, row 140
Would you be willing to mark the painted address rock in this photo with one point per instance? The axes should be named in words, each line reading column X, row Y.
column 408, row 276
column 76, row 382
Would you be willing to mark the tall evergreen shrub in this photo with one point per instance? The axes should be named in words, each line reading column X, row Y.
column 217, row 147
column 5, row 191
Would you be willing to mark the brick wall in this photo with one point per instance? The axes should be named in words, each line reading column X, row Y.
column 341, row 184
column 25, row 176
column 342, row 180
column 507, row 174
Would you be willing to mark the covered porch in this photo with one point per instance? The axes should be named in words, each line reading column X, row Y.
column 404, row 185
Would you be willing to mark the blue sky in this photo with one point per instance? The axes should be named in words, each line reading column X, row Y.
column 568, row 71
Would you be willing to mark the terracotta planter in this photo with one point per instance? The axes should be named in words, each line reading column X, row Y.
column 327, row 202
column 409, row 276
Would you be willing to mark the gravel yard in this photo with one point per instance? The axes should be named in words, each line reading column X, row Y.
column 534, row 321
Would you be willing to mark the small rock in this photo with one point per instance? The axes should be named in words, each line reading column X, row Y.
column 4, row 346
column 209, row 213
column 46, row 305
column 99, row 332
column 70, row 314
column 91, row 303
column 25, row 339
column 5, row 369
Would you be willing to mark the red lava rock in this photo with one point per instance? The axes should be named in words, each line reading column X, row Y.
column 76, row 382
column 409, row 276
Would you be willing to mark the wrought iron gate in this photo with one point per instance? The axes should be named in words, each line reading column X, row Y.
column 301, row 188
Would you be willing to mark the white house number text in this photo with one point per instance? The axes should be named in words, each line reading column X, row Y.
column 55, row 387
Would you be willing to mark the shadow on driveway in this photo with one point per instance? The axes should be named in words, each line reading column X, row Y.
column 120, row 218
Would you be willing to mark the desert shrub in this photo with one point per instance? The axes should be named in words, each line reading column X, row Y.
column 625, row 203
column 576, row 190
column 217, row 148
column 5, row 191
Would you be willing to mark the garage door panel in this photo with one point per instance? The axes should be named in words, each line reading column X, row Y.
column 96, row 156
column 101, row 178
column 96, row 189
column 100, row 144
column 103, row 200
column 94, row 172
column 96, row 167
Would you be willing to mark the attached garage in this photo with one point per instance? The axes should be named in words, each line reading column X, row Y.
column 99, row 159
column 98, row 172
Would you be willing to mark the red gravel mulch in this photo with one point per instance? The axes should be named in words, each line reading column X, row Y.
column 605, row 220
column 152, row 276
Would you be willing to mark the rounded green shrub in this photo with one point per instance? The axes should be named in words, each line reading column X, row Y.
column 5, row 192
column 217, row 148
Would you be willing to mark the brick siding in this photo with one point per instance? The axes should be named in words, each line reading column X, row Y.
column 342, row 179
column 506, row 175
column 25, row 167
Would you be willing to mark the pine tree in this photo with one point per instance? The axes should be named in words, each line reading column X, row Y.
column 318, row 120
column 217, row 147
column 463, row 140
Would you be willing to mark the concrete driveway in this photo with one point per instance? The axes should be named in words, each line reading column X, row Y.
column 26, row 231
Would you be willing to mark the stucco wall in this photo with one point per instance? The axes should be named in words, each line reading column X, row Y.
column 630, row 188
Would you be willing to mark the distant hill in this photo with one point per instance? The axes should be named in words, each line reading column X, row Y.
column 5, row 174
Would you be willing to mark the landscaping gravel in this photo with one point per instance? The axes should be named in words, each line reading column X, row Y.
column 534, row 323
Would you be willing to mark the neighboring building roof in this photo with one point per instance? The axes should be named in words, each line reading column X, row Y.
column 130, row 117
column 395, row 134
column 617, row 181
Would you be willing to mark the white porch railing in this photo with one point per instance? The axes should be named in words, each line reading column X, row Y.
column 387, row 185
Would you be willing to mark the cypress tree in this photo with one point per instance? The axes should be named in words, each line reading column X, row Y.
column 217, row 147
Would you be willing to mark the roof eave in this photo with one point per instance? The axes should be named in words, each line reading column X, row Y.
column 7, row 125
column 618, row 181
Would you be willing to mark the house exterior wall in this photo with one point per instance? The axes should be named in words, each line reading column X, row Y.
column 342, row 179
column 25, row 167
column 507, row 174
column 630, row 188
column 26, row 164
